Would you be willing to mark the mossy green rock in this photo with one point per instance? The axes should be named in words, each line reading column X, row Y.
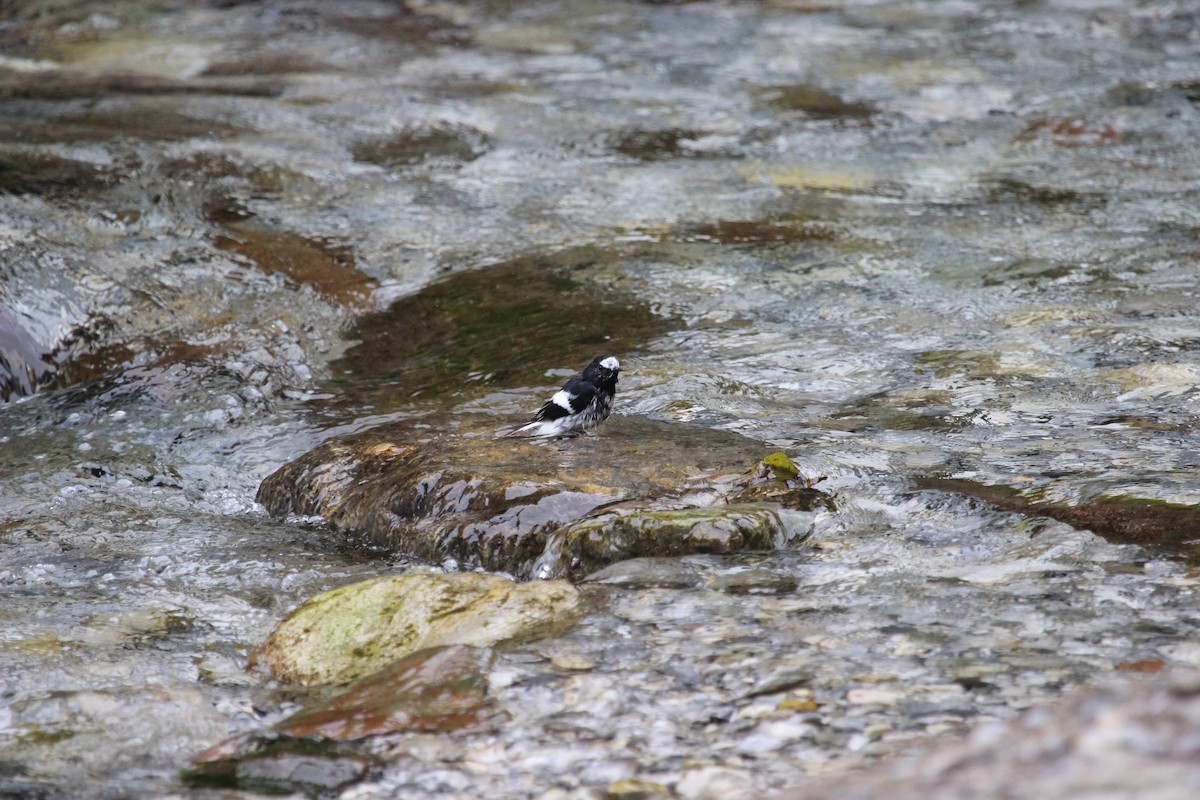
column 580, row 548
column 355, row 630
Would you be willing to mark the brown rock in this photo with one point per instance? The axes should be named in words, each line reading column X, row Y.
column 433, row 690
column 461, row 493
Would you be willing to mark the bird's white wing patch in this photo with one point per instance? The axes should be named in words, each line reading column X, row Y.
column 562, row 399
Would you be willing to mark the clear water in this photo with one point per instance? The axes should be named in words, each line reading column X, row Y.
column 897, row 241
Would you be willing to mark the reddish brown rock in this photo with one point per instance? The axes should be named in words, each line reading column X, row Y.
column 434, row 690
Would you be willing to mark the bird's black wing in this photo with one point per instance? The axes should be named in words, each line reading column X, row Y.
column 577, row 394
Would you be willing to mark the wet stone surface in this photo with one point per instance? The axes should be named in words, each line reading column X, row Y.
column 592, row 543
column 469, row 498
column 442, row 145
column 940, row 255
column 436, row 689
column 360, row 629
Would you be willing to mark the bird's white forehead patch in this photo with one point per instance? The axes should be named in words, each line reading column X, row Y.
column 611, row 363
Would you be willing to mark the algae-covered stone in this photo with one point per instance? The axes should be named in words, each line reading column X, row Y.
column 355, row 630
column 451, row 498
column 796, row 498
column 1121, row 519
column 575, row 550
column 459, row 493
column 782, row 467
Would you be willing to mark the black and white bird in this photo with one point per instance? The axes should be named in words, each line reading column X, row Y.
column 580, row 405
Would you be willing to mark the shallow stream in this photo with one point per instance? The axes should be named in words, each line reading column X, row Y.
column 941, row 254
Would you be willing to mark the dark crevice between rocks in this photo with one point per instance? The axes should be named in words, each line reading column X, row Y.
column 1172, row 529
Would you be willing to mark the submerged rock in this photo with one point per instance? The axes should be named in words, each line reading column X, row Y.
column 1123, row 739
column 278, row 766
column 429, row 501
column 459, row 337
column 814, row 102
column 756, row 573
column 435, row 690
column 355, row 630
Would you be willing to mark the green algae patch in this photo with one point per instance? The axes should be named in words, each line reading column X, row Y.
column 346, row 633
column 500, row 326
column 581, row 548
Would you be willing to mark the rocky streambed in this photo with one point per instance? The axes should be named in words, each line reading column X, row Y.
column 657, row 545
column 273, row 275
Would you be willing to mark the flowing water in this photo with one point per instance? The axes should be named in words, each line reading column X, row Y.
column 915, row 245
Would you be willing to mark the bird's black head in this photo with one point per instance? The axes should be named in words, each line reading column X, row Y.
column 603, row 371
